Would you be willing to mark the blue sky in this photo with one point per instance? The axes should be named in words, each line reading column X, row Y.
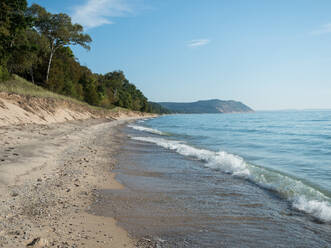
column 268, row 54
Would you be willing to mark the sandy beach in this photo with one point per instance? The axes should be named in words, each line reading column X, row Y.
column 49, row 177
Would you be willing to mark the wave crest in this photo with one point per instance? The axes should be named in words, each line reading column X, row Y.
column 146, row 129
column 303, row 197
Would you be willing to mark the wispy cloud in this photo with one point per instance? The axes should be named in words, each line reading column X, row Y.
column 323, row 30
column 198, row 42
column 94, row 13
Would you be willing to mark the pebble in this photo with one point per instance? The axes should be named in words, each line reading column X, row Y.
column 14, row 194
column 38, row 242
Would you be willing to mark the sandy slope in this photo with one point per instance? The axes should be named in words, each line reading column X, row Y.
column 16, row 109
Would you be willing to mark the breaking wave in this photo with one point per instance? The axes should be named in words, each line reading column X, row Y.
column 147, row 129
column 302, row 196
column 142, row 120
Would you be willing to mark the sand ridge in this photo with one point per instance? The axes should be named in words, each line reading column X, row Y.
column 17, row 109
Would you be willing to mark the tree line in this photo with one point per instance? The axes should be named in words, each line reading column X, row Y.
column 35, row 44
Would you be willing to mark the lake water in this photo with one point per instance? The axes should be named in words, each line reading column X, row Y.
column 228, row 180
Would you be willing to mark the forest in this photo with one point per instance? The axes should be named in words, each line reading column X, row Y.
column 35, row 44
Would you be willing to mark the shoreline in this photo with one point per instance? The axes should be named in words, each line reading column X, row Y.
column 172, row 198
column 49, row 178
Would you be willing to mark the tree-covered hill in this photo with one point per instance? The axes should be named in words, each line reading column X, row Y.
column 207, row 106
column 35, row 45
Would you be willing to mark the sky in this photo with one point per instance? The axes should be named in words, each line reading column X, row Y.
column 269, row 55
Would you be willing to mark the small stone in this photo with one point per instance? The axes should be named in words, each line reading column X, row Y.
column 14, row 194
column 38, row 242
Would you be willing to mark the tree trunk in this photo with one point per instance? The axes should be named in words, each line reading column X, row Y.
column 49, row 64
column 31, row 73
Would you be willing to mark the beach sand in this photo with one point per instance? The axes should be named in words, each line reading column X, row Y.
column 49, row 177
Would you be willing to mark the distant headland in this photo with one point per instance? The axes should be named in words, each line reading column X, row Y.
column 207, row 106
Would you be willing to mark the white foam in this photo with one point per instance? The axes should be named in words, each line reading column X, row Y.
column 228, row 162
column 319, row 209
column 142, row 120
column 302, row 196
column 146, row 129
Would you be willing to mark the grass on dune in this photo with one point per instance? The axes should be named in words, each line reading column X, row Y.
column 20, row 86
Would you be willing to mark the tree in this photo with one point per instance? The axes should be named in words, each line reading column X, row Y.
column 12, row 23
column 58, row 30
column 38, row 47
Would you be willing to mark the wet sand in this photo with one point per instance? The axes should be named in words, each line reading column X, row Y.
column 50, row 176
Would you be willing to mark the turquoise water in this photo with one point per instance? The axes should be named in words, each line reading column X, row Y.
column 287, row 153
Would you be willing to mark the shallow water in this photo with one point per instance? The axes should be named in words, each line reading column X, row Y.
column 244, row 180
column 288, row 152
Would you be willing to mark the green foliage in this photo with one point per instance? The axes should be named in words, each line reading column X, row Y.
column 58, row 30
column 21, row 86
column 35, row 45
column 12, row 27
column 12, row 21
column 91, row 95
column 4, row 74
